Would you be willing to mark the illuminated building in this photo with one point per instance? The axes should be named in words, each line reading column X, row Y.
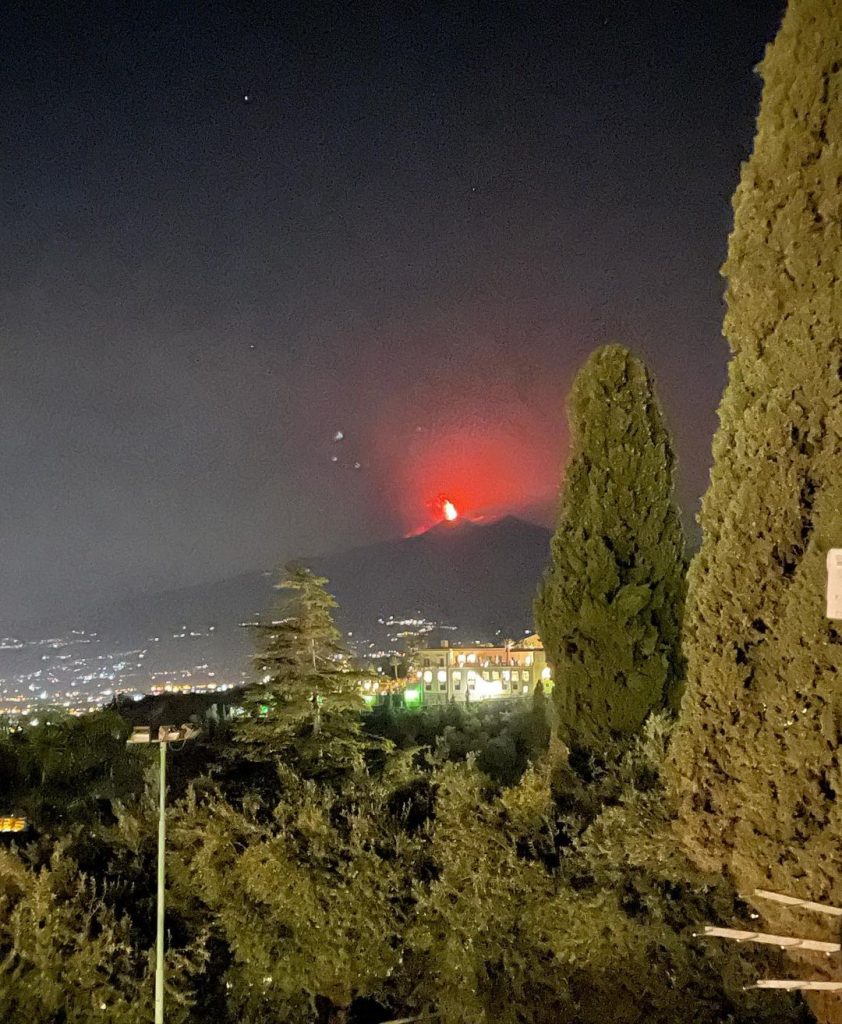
column 444, row 674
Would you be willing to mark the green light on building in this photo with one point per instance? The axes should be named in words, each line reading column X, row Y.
column 412, row 697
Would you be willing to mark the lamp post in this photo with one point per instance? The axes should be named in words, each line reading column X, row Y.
column 166, row 734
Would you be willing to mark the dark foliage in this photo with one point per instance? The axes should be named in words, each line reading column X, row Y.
column 610, row 607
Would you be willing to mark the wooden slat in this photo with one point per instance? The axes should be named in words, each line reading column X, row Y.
column 793, row 901
column 798, row 986
column 784, row 941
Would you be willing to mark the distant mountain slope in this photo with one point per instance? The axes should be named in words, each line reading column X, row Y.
column 479, row 577
column 479, row 580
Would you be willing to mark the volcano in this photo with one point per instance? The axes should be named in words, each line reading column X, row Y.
column 475, row 581
column 479, row 578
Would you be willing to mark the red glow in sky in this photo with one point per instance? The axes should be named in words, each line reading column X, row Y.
column 478, row 476
column 470, row 439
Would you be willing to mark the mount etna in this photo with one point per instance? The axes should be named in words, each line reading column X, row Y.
column 460, row 580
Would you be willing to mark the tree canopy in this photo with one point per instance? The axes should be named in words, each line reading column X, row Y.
column 756, row 758
column 609, row 609
column 305, row 707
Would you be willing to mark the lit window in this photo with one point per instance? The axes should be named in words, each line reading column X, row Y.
column 495, row 675
column 516, row 675
column 472, row 658
column 428, row 677
column 526, row 675
column 545, row 673
column 528, row 659
column 441, row 675
column 507, row 675
column 457, row 675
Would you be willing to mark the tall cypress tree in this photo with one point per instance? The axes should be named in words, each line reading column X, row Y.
column 609, row 609
column 756, row 757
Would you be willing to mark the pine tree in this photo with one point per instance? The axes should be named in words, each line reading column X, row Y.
column 609, row 609
column 757, row 756
column 306, row 706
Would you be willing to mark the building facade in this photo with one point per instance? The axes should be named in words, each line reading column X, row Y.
column 448, row 674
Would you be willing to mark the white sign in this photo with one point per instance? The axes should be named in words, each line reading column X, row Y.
column 834, row 583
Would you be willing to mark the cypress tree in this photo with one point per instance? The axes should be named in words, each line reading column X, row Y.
column 756, row 758
column 609, row 608
column 540, row 721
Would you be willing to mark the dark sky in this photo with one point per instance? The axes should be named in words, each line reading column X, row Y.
column 413, row 230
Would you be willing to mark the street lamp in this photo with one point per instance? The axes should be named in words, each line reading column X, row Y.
column 166, row 734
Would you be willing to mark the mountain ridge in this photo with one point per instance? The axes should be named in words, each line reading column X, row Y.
column 469, row 581
column 477, row 577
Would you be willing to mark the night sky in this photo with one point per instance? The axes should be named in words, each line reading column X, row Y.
column 229, row 231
